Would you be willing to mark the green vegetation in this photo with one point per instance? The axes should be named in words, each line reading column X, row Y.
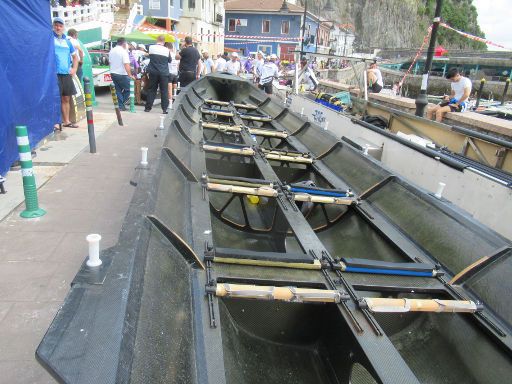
column 459, row 14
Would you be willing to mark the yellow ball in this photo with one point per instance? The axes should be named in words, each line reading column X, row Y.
column 253, row 199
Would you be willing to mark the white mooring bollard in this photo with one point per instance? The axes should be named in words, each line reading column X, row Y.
column 302, row 111
column 144, row 153
column 162, row 118
column 440, row 189
column 326, row 126
column 94, row 250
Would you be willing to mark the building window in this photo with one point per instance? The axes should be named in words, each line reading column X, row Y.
column 154, row 4
column 266, row 49
column 201, row 34
column 191, row 4
column 208, row 35
column 265, row 26
column 285, row 27
column 232, row 25
column 171, row 3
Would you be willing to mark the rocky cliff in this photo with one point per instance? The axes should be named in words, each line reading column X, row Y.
column 403, row 23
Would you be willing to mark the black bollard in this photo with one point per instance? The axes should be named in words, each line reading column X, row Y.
column 88, row 112
column 479, row 94
column 116, row 104
column 507, row 83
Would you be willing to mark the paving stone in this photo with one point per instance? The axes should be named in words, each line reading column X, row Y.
column 24, row 372
column 23, row 328
column 24, row 280
column 28, row 246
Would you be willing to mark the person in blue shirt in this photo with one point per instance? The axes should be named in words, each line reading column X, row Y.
column 66, row 60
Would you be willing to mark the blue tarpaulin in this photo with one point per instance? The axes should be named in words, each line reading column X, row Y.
column 28, row 83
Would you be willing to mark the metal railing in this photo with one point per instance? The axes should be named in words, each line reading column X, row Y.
column 95, row 11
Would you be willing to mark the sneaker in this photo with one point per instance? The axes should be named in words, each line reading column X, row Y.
column 147, row 109
column 122, row 108
column 165, row 112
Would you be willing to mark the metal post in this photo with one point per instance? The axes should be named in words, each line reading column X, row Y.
column 479, row 93
column 365, row 79
column 296, row 83
column 27, row 172
column 116, row 104
column 304, row 26
column 132, row 95
column 507, row 83
column 89, row 114
column 421, row 100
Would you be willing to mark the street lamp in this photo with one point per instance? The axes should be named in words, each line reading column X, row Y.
column 421, row 100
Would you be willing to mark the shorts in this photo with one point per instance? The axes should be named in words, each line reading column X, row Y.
column 266, row 87
column 173, row 78
column 376, row 87
column 66, row 85
column 453, row 107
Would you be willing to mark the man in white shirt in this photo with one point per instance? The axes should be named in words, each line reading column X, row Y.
column 120, row 71
column 307, row 75
column 233, row 66
column 269, row 71
column 375, row 78
column 458, row 99
column 220, row 65
column 257, row 64
column 208, row 63
column 73, row 37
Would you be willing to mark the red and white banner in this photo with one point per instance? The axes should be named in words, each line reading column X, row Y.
column 472, row 37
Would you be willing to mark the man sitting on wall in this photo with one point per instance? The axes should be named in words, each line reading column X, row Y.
column 458, row 99
column 375, row 78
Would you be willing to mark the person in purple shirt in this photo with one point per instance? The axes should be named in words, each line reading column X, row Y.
column 134, row 64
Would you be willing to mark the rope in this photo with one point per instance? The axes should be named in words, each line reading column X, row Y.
column 425, row 40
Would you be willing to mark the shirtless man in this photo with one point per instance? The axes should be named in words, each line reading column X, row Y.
column 375, row 78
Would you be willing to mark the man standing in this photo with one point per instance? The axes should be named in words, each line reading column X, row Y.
column 258, row 63
column 220, row 65
column 307, row 75
column 208, row 63
column 458, row 99
column 66, row 60
column 120, row 71
column 73, row 37
column 190, row 63
column 233, row 66
column 158, row 72
column 269, row 71
column 375, row 78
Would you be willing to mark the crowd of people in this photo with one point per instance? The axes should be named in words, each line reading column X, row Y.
column 164, row 68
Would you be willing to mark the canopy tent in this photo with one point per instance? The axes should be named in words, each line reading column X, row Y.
column 30, row 94
column 154, row 30
column 136, row 36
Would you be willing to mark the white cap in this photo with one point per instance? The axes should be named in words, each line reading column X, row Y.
column 273, row 56
column 133, row 44
column 234, row 54
column 142, row 46
column 261, row 53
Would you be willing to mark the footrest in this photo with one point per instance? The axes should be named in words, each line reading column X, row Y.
column 389, row 268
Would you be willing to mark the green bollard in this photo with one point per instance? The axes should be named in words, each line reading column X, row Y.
column 132, row 95
column 27, row 172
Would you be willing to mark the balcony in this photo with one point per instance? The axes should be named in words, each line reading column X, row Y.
column 93, row 11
